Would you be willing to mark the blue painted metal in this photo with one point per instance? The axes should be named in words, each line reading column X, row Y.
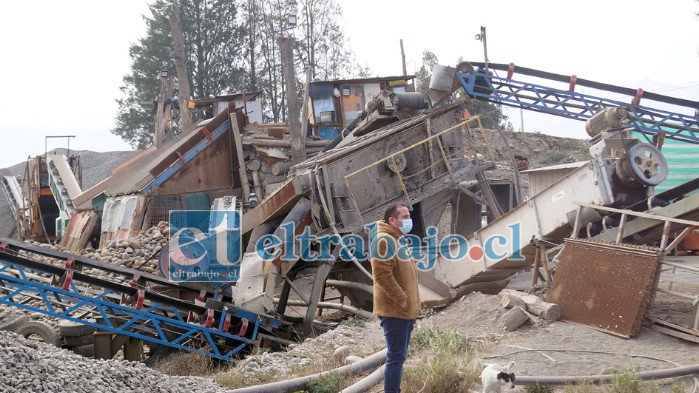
column 155, row 322
column 574, row 105
column 169, row 172
column 328, row 132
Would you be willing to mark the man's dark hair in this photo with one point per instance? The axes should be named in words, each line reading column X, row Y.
column 392, row 210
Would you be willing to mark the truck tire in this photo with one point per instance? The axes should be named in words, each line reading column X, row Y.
column 14, row 323
column 85, row 350
column 46, row 332
column 73, row 329
column 77, row 341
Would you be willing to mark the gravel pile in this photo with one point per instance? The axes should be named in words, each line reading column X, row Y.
column 343, row 345
column 27, row 365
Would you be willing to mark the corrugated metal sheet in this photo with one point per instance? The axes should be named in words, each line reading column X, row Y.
column 122, row 218
column 79, row 230
column 541, row 178
column 682, row 162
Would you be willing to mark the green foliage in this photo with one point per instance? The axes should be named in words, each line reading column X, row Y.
column 423, row 75
column 445, row 363
column 626, row 383
column 328, row 383
column 212, row 45
column 231, row 47
column 677, row 387
column 353, row 321
column 539, row 389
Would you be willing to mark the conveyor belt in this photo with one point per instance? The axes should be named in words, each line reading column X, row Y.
column 125, row 304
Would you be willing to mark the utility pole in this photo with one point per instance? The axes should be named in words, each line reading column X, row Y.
column 296, row 137
column 181, row 65
column 402, row 58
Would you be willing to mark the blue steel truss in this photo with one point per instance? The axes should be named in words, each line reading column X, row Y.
column 574, row 105
column 154, row 322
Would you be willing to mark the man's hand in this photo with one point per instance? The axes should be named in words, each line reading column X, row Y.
column 404, row 305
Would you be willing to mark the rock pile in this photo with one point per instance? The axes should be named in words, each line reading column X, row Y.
column 139, row 253
column 27, row 365
column 342, row 345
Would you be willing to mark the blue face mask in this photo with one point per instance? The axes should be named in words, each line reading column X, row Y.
column 407, row 226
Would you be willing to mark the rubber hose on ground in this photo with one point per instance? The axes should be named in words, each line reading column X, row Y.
column 293, row 385
column 366, row 383
column 607, row 378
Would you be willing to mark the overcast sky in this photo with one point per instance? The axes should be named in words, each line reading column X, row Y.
column 63, row 62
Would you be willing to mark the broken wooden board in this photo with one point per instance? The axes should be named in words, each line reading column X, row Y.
column 673, row 329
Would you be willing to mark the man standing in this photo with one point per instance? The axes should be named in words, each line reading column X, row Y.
column 396, row 297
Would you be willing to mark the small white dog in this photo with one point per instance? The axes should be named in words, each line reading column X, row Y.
column 495, row 376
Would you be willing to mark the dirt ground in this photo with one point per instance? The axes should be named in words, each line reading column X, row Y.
column 563, row 348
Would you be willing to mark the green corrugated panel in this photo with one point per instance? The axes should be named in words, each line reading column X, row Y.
column 682, row 162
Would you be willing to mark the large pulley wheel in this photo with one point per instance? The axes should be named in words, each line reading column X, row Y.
column 643, row 163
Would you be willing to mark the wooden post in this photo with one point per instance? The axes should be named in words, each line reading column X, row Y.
column 159, row 119
column 181, row 65
column 545, row 264
column 402, row 58
column 298, row 148
column 304, row 105
column 237, row 140
column 535, row 269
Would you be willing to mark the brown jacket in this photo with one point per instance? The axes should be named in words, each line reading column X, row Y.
column 395, row 280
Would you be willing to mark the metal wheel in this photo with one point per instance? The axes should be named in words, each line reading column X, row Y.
column 643, row 163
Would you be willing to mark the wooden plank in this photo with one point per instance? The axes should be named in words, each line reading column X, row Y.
column 672, row 325
column 675, row 333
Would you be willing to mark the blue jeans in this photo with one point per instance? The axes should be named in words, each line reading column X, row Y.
column 397, row 333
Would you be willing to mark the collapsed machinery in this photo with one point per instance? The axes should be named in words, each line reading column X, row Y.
column 405, row 148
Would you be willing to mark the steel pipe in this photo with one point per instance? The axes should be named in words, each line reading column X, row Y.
column 336, row 306
column 351, row 285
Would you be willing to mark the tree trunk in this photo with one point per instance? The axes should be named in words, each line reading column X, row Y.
column 180, row 57
column 509, row 301
column 298, row 149
column 514, row 318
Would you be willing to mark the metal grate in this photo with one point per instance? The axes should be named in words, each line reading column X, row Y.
column 606, row 286
column 163, row 204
